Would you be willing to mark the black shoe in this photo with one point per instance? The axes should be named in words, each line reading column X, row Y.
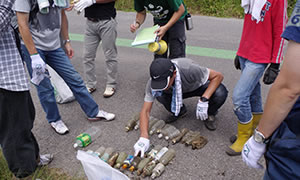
column 174, row 118
column 210, row 123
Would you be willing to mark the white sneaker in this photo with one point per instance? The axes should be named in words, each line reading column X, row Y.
column 59, row 127
column 45, row 159
column 103, row 115
column 109, row 91
column 91, row 90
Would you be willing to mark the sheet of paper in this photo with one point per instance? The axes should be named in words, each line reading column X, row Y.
column 145, row 36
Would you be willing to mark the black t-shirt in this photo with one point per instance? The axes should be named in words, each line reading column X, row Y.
column 101, row 11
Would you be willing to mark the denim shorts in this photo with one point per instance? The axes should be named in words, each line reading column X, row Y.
column 292, row 30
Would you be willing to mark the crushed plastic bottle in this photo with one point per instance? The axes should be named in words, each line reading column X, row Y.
column 158, row 125
column 180, row 136
column 100, row 151
column 107, row 153
column 141, row 165
column 157, row 171
column 111, row 161
column 167, row 157
column 87, row 137
column 154, row 151
column 136, row 160
column 121, row 158
column 172, row 134
column 132, row 122
column 166, row 131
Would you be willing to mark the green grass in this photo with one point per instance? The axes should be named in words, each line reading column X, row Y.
column 218, row 8
column 43, row 173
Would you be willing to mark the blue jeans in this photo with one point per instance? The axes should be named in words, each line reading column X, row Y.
column 59, row 61
column 247, row 93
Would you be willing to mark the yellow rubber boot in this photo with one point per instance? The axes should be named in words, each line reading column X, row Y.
column 244, row 133
column 256, row 119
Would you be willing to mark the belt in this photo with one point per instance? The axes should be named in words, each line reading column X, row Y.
column 93, row 19
column 98, row 19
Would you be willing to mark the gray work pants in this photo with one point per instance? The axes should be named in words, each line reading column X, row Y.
column 95, row 32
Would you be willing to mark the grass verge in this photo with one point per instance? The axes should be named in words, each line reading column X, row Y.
column 218, row 8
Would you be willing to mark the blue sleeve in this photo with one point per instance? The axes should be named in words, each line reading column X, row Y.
column 292, row 30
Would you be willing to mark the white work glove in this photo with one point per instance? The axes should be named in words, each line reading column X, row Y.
column 201, row 111
column 142, row 146
column 252, row 152
column 39, row 71
column 82, row 4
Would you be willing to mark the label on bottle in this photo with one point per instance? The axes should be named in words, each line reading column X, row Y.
column 85, row 139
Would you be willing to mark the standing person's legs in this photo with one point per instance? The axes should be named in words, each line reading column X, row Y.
column 19, row 145
column 91, row 43
column 59, row 61
column 177, row 40
column 245, row 87
column 45, row 89
column 108, row 33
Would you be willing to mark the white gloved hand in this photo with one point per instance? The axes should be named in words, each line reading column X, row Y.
column 201, row 111
column 82, row 4
column 252, row 152
column 142, row 146
column 39, row 71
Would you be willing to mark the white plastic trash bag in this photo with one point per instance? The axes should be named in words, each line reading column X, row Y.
column 96, row 169
column 63, row 93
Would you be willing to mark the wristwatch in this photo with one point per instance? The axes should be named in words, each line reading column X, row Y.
column 203, row 99
column 66, row 41
column 259, row 137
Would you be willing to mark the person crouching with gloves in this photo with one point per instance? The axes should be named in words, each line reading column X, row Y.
column 174, row 80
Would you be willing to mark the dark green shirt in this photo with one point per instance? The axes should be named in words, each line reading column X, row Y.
column 162, row 10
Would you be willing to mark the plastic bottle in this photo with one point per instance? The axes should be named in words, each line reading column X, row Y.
column 166, row 131
column 152, row 121
column 158, row 125
column 137, row 126
column 111, row 161
column 127, row 162
column 132, row 122
column 157, row 171
column 107, row 153
column 172, row 134
column 100, row 151
column 194, row 136
column 147, row 170
column 86, row 138
column 121, row 158
column 136, row 160
column 160, row 154
column 142, row 164
column 186, row 136
column 154, row 151
column 167, row 157
column 179, row 137
column 158, row 131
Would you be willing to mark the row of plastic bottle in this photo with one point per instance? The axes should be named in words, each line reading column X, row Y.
column 169, row 132
column 157, row 157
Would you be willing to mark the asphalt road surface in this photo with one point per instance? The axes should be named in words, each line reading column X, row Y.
column 212, row 43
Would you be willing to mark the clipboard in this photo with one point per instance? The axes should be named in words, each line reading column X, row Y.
column 145, row 36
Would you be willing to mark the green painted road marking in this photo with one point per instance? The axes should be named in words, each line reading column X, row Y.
column 193, row 50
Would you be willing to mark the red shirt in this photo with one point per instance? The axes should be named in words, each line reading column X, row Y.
column 262, row 42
